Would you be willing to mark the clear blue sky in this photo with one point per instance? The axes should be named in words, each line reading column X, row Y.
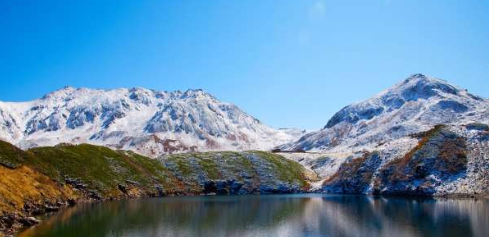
column 290, row 63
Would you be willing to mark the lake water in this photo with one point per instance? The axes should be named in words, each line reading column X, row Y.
column 274, row 215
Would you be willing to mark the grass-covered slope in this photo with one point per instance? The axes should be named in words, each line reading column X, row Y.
column 22, row 187
column 11, row 156
column 45, row 178
column 25, row 191
column 237, row 172
column 105, row 172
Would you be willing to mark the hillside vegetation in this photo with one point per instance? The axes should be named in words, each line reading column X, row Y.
column 45, row 178
column 238, row 172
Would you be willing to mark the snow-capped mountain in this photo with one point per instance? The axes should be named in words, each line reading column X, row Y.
column 423, row 136
column 146, row 121
column 412, row 106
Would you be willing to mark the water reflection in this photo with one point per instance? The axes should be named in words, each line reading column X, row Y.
column 289, row 215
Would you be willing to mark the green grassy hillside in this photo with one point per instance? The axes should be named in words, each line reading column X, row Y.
column 238, row 172
column 107, row 172
column 45, row 178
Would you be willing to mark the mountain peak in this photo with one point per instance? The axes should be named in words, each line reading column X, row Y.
column 419, row 86
column 417, row 75
column 143, row 120
column 138, row 89
column 411, row 106
column 414, row 88
column 196, row 93
column 420, row 78
column 61, row 91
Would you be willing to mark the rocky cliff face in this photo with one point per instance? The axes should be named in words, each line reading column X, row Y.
column 146, row 121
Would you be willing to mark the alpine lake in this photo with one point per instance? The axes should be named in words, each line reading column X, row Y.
column 300, row 215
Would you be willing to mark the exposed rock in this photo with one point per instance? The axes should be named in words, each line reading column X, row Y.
column 354, row 176
column 448, row 160
column 439, row 158
column 30, row 221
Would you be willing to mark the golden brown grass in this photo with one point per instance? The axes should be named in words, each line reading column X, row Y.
column 23, row 185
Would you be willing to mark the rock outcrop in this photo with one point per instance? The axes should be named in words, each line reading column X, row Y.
column 448, row 160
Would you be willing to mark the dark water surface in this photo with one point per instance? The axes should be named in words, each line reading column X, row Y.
column 276, row 215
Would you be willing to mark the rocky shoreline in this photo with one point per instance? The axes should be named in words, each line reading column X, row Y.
column 12, row 223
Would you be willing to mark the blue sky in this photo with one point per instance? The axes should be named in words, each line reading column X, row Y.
column 290, row 63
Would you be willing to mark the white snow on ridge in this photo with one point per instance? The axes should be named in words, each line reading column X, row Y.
column 412, row 106
column 146, row 121
column 385, row 122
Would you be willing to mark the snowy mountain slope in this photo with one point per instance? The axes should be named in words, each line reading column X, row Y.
column 147, row 121
column 414, row 105
column 423, row 136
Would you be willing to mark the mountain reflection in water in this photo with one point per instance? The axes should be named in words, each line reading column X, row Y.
column 275, row 215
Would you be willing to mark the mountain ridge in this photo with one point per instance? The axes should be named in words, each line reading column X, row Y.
column 413, row 105
column 147, row 121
